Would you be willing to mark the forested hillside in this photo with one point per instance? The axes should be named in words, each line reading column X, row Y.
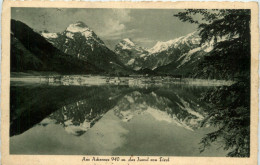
column 229, row 59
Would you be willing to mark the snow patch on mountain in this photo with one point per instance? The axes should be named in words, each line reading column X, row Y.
column 77, row 27
column 187, row 56
column 129, row 99
column 162, row 46
column 124, row 47
column 84, row 30
column 49, row 35
column 195, row 40
column 180, row 49
column 137, row 68
column 143, row 55
column 128, row 44
column 130, row 62
column 88, row 34
column 70, row 35
column 129, row 41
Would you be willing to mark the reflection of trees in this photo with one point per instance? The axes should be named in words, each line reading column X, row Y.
column 29, row 105
column 229, row 59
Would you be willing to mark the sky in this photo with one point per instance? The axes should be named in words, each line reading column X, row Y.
column 144, row 26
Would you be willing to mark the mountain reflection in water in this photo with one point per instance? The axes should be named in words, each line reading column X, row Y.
column 107, row 119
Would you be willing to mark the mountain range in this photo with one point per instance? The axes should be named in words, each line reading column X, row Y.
column 82, row 43
column 79, row 50
column 85, row 53
column 175, row 56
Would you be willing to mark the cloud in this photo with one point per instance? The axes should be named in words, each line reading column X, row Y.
column 144, row 40
column 123, row 15
column 120, row 34
column 115, row 24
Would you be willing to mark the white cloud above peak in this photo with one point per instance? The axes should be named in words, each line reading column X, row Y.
column 114, row 25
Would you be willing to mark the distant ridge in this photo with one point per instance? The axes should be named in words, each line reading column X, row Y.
column 177, row 56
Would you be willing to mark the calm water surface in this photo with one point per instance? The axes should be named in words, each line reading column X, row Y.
column 108, row 119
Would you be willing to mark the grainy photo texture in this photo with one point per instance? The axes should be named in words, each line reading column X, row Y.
column 149, row 82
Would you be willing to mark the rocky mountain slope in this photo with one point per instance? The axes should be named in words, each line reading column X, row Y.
column 31, row 52
column 130, row 53
column 174, row 56
column 82, row 43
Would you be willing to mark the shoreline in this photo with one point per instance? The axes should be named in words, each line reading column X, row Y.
column 114, row 80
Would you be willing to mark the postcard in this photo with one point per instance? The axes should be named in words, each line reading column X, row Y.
column 129, row 83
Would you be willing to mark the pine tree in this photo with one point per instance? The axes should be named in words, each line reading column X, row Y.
column 229, row 30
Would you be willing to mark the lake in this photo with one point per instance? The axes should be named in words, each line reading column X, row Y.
column 96, row 117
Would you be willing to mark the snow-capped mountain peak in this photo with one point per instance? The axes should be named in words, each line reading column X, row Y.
column 162, row 46
column 78, row 27
column 129, row 52
column 82, row 29
column 182, row 50
column 129, row 41
column 128, row 44
column 49, row 35
column 81, row 42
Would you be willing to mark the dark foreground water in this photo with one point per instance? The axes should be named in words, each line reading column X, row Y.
column 108, row 120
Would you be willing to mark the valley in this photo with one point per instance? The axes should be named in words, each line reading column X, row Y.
column 120, row 83
column 78, row 50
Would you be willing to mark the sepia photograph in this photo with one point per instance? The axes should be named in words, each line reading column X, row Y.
column 130, row 82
